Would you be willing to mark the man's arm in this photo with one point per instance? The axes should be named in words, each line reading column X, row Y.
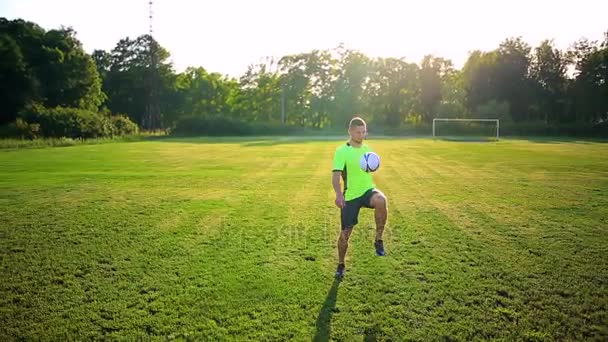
column 335, row 181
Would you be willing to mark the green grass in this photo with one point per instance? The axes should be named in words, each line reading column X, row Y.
column 16, row 143
column 235, row 239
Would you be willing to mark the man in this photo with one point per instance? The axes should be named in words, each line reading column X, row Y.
column 359, row 190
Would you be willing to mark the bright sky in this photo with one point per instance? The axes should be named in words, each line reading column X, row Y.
column 226, row 36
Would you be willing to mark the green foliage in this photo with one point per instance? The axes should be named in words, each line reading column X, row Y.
column 549, row 73
column 453, row 110
column 46, row 67
column 589, row 90
column 465, row 129
column 57, row 122
column 219, row 125
column 131, row 81
column 122, row 125
column 433, row 73
column 203, row 93
column 541, row 128
column 70, row 78
column 393, row 92
column 494, row 110
column 21, row 129
column 66, row 122
column 316, row 89
column 21, row 143
column 16, row 82
column 260, row 98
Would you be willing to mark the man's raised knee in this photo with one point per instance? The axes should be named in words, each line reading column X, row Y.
column 380, row 202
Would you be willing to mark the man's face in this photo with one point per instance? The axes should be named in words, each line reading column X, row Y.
column 357, row 133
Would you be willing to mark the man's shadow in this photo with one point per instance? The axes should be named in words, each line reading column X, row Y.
column 324, row 319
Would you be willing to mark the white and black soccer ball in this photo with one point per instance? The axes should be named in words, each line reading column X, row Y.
column 370, row 162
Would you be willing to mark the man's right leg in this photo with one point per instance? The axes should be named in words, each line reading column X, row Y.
column 342, row 247
column 343, row 243
column 348, row 220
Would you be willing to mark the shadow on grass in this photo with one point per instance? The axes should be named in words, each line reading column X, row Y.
column 249, row 141
column 324, row 319
column 261, row 141
column 371, row 334
column 293, row 140
column 530, row 139
column 466, row 139
column 210, row 139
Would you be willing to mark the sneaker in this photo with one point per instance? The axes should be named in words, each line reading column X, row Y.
column 340, row 271
column 379, row 248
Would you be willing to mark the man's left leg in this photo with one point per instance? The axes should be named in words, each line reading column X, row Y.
column 380, row 205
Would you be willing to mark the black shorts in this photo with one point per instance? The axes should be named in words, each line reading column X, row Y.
column 350, row 213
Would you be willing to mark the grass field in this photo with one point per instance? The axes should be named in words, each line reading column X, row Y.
column 235, row 239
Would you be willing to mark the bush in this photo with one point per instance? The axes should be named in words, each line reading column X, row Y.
column 67, row 122
column 123, row 126
column 277, row 129
column 225, row 126
column 466, row 129
column 63, row 122
column 541, row 128
column 20, row 129
column 600, row 129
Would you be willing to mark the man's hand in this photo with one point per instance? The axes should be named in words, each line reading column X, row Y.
column 339, row 200
column 335, row 181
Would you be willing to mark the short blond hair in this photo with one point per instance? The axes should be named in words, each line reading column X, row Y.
column 356, row 122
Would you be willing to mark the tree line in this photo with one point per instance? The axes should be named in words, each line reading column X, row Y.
column 520, row 84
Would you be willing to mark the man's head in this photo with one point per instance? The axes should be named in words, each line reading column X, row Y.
column 357, row 129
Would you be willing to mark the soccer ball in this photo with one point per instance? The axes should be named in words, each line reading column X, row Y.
column 370, row 162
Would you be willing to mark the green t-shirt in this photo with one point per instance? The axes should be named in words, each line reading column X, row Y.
column 357, row 181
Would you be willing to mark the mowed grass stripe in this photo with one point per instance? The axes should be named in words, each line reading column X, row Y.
column 463, row 215
column 448, row 266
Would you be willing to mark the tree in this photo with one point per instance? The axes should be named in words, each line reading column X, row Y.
column 480, row 79
column 46, row 67
column 103, row 61
column 308, row 86
column 433, row 72
column 296, row 87
column 129, row 73
column 201, row 93
column 353, row 69
column 501, row 77
column 393, row 91
column 589, row 90
column 548, row 70
column 453, row 96
column 70, row 75
column 513, row 82
column 322, row 73
column 260, row 96
column 17, row 84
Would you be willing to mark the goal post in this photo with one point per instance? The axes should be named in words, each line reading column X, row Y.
column 496, row 121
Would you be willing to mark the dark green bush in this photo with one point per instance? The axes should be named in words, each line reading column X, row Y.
column 64, row 122
column 218, row 125
column 122, row 125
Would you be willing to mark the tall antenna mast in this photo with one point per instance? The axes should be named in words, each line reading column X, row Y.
column 150, row 16
column 152, row 118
